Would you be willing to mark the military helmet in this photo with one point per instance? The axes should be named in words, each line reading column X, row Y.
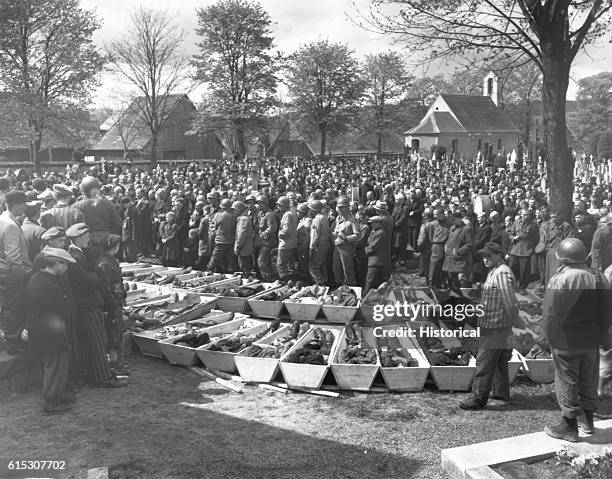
column 571, row 251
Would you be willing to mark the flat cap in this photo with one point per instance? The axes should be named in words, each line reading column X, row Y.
column 381, row 206
column 53, row 233
column 62, row 190
column 372, row 219
column 491, row 248
column 46, row 195
column 57, row 254
column 77, row 230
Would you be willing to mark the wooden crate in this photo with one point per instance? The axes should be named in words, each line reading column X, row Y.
column 308, row 376
column 353, row 377
column 403, row 379
column 540, row 371
column 147, row 344
column 224, row 361
column 266, row 309
column 342, row 314
column 260, row 370
column 205, row 306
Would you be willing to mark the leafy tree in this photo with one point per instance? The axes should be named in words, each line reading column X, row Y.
column 326, row 85
column 548, row 32
column 237, row 62
column 387, row 81
column 604, row 144
column 48, row 64
column 594, row 104
column 149, row 57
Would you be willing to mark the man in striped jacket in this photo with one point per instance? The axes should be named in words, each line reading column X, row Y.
column 499, row 313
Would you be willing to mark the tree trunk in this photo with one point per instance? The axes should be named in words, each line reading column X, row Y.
column 240, row 140
column 154, row 137
column 35, row 154
column 559, row 161
column 323, row 132
column 379, row 143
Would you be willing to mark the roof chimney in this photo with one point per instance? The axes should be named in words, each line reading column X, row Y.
column 489, row 88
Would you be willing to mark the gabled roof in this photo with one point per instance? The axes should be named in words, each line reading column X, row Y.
column 478, row 113
column 134, row 125
column 437, row 122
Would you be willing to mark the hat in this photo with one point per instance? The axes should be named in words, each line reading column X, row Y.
column 77, row 230
column 62, row 190
column 57, row 254
column 372, row 219
column 53, row 233
column 381, row 206
column 46, row 195
column 15, row 197
column 491, row 248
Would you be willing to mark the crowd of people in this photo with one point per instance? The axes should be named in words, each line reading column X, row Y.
column 331, row 223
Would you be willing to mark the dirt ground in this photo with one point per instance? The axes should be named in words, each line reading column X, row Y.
column 143, row 432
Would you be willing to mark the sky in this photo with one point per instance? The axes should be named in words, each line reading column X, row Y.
column 296, row 22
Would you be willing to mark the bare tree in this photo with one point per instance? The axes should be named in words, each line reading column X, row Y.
column 149, row 57
column 549, row 33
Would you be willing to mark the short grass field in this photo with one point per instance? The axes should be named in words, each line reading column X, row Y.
column 143, row 432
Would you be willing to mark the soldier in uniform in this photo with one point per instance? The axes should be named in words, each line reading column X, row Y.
column 287, row 239
column 320, row 235
column 62, row 214
column 554, row 230
column 361, row 258
column 458, row 252
column 245, row 234
column 524, row 236
column 222, row 260
column 265, row 241
column 601, row 247
column 346, row 234
column 303, row 241
column 381, row 209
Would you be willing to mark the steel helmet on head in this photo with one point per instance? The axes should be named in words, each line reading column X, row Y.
column 303, row 208
column 343, row 201
column 283, row 201
column 238, row 206
column 226, row 203
column 571, row 251
column 315, row 205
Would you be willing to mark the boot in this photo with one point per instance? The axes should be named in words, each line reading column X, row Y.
column 586, row 424
column 566, row 430
column 472, row 404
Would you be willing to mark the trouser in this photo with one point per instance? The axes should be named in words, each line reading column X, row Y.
column 412, row 235
column 203, row 262
column 130, row 253
column 605, row 371
column 361, row 267
column 318, row 264
column 435, row 266
column 264, row 261
column 115, row 328
column 285, row 263
column 552, row 263
column 55, row 371
column 541, row 262
column 492, row 364
column 424, row 261
column 521, row 267
column 344, row 264
column 576, row 380
column 222, row 258
column 12, row 310
column 303, row 258
column 374, row 278
column 245, row 263
column 97, row 344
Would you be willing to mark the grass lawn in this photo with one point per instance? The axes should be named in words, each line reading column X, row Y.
column 142, row 432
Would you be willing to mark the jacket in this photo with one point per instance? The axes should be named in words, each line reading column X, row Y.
column 245, row 234
column 349, row 227
column 458, row 250
column 320, row 231
column 287, row 232
column 576, row 311
column 84, row 281
column 601, row 249
column 303, row 233
column 100, row 215
column 225, row 228
column 524, row 236
column 109, row 272
column 376, row 249
column 33, row 234
column 61, row 215
column 14, row 255
column 268, row 228
column 203, row 243
column 48, row 314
